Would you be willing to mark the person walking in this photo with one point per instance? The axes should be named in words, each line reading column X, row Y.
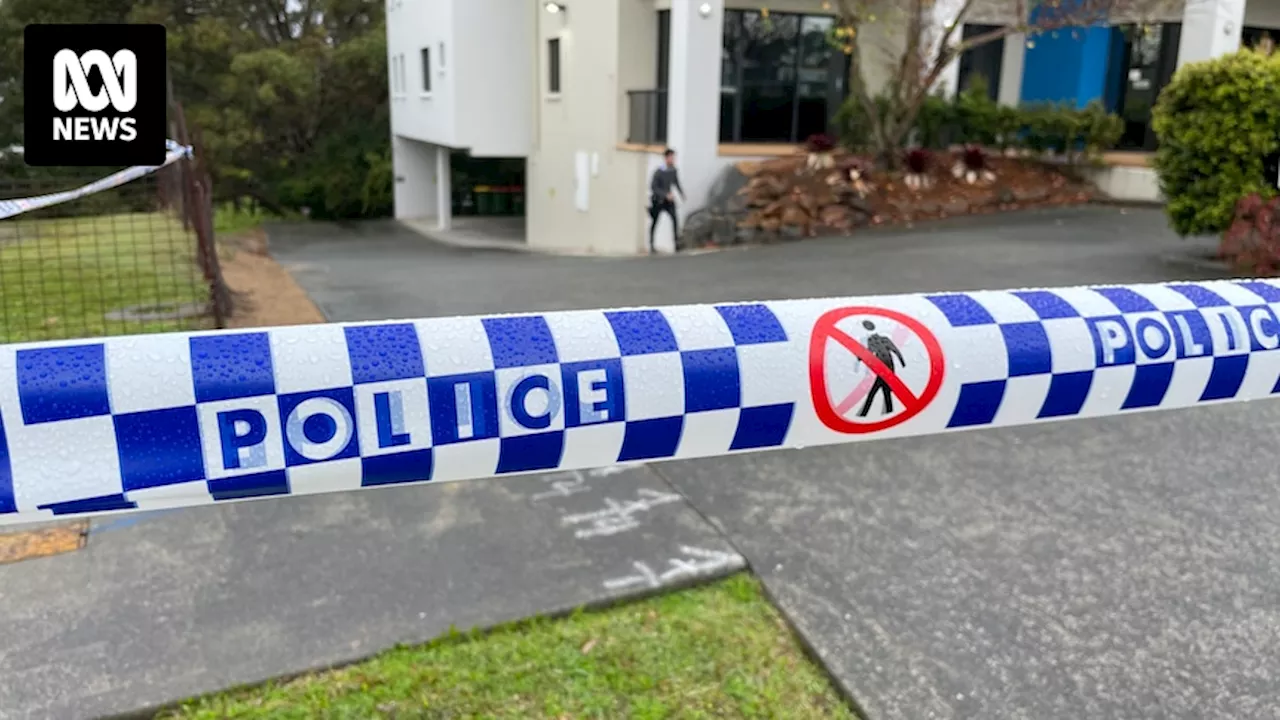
column 662, row 199
column 884, row 349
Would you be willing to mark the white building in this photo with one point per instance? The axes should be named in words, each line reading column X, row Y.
column 589, row 92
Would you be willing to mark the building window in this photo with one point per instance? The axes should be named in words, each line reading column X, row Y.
column 985, row 61
column 664, row 48
column 397, row 74
column 781, row 79
column 553, row 66
column 1143, row 65
column 426, row 70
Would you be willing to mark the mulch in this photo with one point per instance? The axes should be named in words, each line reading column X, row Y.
column 1018, row 184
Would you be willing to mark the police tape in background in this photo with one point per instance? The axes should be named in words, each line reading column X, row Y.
column 99, row 426
column 17, row 206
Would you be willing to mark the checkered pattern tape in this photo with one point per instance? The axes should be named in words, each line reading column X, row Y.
column 10, row 208
column 1087, row 352
column 164, row 420
column 117, row 424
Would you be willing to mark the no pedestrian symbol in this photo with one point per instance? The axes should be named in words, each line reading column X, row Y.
column 872, row 368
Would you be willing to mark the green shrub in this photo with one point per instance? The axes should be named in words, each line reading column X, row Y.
column 934, row 123
column 1216, row 121
column 854, row 127
column 1100, row 130
column 973, row 118
column 1037, row 128
column 1009, row 123
column 976, row 114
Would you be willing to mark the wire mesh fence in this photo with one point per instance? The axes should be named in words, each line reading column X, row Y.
column 137, row 258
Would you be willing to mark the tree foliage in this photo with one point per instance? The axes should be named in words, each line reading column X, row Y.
column 921, row 51
column 1217, row 122
column 289, row 97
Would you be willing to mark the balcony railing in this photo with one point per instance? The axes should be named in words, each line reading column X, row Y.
column 647, row 113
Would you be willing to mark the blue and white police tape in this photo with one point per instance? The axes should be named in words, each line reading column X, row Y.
column 10, row 208
column 117, row 424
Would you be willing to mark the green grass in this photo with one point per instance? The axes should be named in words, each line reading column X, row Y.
column 720, row 651
column 227, row 220
column 59, row 277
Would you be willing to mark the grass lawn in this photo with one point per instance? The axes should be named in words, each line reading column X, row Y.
column 227, row 220
column 719, row 651
column 59, row 277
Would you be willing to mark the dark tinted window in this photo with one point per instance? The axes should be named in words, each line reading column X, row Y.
column 553, row 65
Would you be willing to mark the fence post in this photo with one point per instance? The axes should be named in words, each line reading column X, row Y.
column 198, row 193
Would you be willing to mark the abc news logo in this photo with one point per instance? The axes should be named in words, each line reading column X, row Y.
column 95, row 95
column 71, row 91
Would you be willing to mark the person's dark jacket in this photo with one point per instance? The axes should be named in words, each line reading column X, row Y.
column 664, row 179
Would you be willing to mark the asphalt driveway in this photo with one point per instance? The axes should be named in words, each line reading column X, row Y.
column 1109, row 568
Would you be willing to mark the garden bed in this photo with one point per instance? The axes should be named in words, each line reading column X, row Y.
column 838, row 193
column 1017, row 183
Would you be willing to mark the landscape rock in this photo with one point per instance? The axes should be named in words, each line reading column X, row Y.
column 785, row 197
column 1030, row 194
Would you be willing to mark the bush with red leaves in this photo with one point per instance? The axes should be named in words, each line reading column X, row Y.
column 918, row 161
column 1252, row 242
column 820, row 144
column 974, row 158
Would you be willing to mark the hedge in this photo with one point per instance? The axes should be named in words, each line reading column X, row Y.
column 972, row 117
column 1217, row 122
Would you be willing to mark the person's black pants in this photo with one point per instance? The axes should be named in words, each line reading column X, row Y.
column 656, row 208
column 880, row 386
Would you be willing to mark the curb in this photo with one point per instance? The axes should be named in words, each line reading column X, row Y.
column 502, row 246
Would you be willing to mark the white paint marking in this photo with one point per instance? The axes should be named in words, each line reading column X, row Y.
column 617, row 517
column 646, row 577
column 564, row 488
column 681, row 567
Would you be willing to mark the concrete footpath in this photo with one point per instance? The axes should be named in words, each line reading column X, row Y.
column 1112, row 568
column 162, row 606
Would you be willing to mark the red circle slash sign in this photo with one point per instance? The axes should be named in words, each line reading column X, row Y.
column 831, row 414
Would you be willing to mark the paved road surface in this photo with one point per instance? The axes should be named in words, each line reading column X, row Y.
column 1090, row 569
column 1112, row 568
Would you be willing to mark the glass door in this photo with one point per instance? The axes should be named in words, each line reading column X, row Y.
column 984, row 61
column 1152, row 54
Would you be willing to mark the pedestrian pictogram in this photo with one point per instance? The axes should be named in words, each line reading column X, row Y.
column 871, row 368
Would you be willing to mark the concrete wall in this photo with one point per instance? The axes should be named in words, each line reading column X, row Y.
column 1012, row 70
column 492, row 41
column 637, row 54
column 583, row 121
column 607, row 48
column 1210, row 28
column 411, row 26
column 693, row 96
column 1130, row 184
column 476, row 101
column 415, row 178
